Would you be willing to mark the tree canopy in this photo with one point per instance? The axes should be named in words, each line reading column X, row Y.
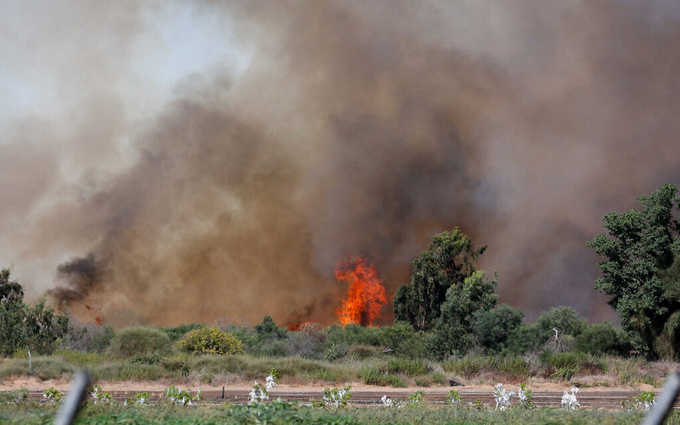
column 447, row 262
column 641, row 272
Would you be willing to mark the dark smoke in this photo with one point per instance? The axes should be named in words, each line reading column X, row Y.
column 83, row 277
column 357, row 128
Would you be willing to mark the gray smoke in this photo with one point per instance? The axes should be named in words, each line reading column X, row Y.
column 354, row 129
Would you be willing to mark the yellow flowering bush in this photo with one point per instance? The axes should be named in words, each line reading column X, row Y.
column 210, row 340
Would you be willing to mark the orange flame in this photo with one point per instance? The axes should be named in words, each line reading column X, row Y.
column 365, row 295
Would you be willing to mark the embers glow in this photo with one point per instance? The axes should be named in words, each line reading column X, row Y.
column 365, row 295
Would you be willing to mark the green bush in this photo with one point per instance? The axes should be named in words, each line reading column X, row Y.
column 407, row 366
column 527, row 337
column 403, row 340
column 177, row 332
column 335, row 352
column 371, row 375
column 136, row 341
column 363, row 352
column 565, row 319
column 210, row 341
column 423, row 381
column 493, row 327
column 353, row 334
column 275, row 348
column 603, row 338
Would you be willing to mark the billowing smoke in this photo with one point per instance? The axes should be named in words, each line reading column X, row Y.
column 336, row 129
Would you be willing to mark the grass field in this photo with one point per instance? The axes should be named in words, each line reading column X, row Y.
column 286, row 413
column 576, row 368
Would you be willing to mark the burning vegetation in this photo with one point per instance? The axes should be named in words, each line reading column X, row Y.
column 365, row 295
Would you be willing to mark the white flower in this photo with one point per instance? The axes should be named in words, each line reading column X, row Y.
column 387, row 402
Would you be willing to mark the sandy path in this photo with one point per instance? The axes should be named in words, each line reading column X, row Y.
column 35, row 384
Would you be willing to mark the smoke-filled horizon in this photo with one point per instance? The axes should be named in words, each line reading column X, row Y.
column 166, row 163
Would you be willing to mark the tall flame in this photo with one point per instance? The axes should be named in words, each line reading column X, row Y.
column 365, row 295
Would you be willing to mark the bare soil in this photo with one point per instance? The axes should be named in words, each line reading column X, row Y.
column 35, row 384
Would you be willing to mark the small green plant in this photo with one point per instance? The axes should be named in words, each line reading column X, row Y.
column 182, row 397
column 141, row 399
column 643, row 401
column 53, row 395
column 14, row 396
column 99, row 396
column 337, row 397
column 423, row 382
column 478, row 405
column 453, row 398
column 335, row 352
column 258, row 394
column 275, row 375
column 416, row 398
column 526, row 397
column 210, row 340
column 566, row 373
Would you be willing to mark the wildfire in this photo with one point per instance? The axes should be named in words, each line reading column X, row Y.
column 365, row 295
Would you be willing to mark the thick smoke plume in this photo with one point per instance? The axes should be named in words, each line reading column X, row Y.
column 354, row 128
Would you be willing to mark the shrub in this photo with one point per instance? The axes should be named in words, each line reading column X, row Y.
column 275, row 348
column 79, row 358
column 527, row 337
column 371, row 375
column 353, row 334
column 131, row 342
column 401, row 338
column 407, row 366
column 565, row 319
column 269, row 329
column 210, row 341
column 603, row 338
column 147, row 359
column 363, row 352
column 493, row 327
column 88, row 337
column 307, row 343
column 177, row 332
column 423, row 382
column 335, row 352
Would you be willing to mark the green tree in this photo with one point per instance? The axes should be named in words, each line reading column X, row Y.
column 641, row 273
column 43, row 327
column 268, row 329
column 494, row 327
column 9, row 289
column 447, row 262
column 23, row 326
column 452, row 332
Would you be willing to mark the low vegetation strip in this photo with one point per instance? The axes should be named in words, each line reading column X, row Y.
column 587, row 400
column 287, row 413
